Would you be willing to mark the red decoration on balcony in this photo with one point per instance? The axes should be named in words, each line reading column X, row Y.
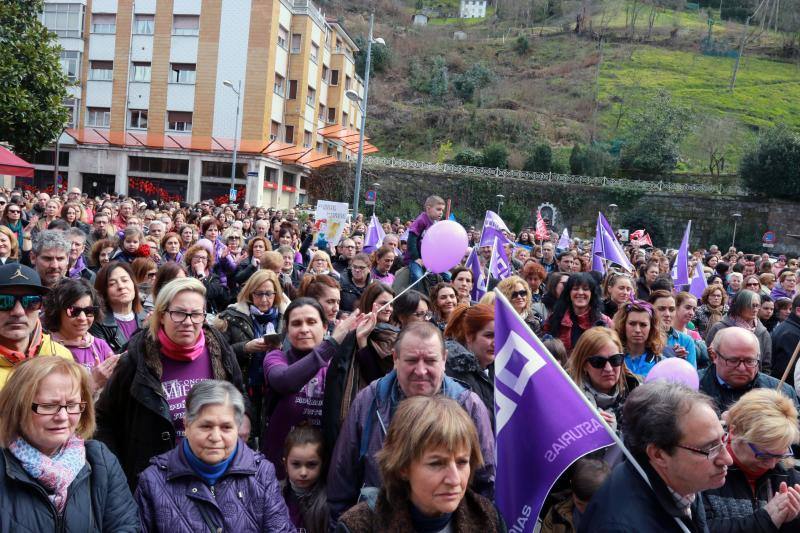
column 152, row 190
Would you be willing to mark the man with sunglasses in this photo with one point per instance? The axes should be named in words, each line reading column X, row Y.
column 21, row 335
column 674, row 434
column 735, row 370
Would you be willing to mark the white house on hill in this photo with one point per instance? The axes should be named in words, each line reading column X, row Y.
column 470, row 9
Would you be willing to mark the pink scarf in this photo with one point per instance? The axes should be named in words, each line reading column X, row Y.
column 85, row 341
column 178, row 352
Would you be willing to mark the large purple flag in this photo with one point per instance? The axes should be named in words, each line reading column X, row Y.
column 699, row 283
column 478, row 278
column 533, row 393
column 597, row 249
column 375, row 235
column 681, row 274
column 607, row 246
column 499, row 265
column 489, row 234
column 564, row 241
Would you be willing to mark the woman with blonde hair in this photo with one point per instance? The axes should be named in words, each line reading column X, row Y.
column 53, row 477
column 9, row 246
column 518, row 293
column 321, row 264
column 713, row 306
column 597, row 366
column 427, row 462
column 761, row 491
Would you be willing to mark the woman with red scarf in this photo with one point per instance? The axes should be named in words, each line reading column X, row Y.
column 141, row 411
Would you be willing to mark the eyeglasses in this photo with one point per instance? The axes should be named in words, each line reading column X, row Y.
column 29, row 303
column 53, row 408
column 599, row 361
column 13, row 211
column 263, row 294
column 357, row 268
column 754, row 284
column 73, row 311
column 519, row 294
column 765, row 456
column 180, row 316
column 424, row 315
column 711, row 453
column 733, row 362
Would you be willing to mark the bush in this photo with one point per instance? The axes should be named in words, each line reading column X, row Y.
column 495, row 156
column 468, row 157
column 772, row 166
column 540, row 159
column 475, row 78
column 379, row 62
column 591, row 161
column 522, row 45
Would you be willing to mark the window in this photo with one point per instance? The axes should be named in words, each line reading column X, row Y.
column 311, row 97
column 306, row 139
column 331, row 115
column 321, row 115
column 140, row 72
column 344, row 118
column 98, row 116
column 143, row 24
column 289, row 134
column 297, row 40
column 219, row 169
column 65, row 20
column 186, row 25
column 137, row 119
column 179, row 120
column 101, row 70
column 319, row 146
column 274, row 130
column 283, row 37
column 104, row 23
column 326, row 73
column 72, row 106
column 280, row 85
column 348, row 81
column 182, row 73
column 292, row 89
column 314, row 52
column 161, row 165
column 70, row 64
column 334, row 77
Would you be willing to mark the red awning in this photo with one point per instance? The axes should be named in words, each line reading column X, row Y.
column 12, row 165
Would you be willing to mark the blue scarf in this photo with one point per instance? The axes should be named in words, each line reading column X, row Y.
column 17, row 229
column 260, row 320
column 208, row 473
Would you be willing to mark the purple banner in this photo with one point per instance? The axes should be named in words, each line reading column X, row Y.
column 543, row 422
column 681, row 273
column 478, row 278
column 499, row 265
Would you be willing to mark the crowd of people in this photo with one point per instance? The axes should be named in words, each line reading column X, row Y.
column 224, row 367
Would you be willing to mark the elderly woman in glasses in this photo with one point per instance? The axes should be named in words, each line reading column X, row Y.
column 52, row 477
column 141, row 411
column 212, row 480
column 761, row 490
column 69, row 311
column 597, row 366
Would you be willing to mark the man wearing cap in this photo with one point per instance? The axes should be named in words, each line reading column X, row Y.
column 21, row 335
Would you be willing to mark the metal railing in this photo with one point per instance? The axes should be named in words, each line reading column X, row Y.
column 550, row 177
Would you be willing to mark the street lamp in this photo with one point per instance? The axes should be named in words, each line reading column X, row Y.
column 736, row 217
column 500, row 199
column 238, row 92
column 362, row 106
column 612, row 209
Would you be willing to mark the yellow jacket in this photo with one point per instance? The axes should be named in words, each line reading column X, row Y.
column 48, row 347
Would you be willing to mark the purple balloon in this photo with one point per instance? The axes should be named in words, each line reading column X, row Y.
column 676, row 370
column 443, row 246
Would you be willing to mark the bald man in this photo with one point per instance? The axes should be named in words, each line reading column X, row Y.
column 735, row 352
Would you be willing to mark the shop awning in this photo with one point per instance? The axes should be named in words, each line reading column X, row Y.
column 347, row 138
column 13, row 165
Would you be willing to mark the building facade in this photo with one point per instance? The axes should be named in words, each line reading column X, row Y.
column 154, row 97
column 469, row 9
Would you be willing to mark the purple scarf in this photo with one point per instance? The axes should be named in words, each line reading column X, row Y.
column 75, row 271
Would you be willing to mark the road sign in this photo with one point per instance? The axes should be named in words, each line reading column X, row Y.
column 232, row 195
column 370, row 197
column 252, row 174
column 769, row 237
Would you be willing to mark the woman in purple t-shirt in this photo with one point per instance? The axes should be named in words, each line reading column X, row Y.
column 123, row 312
column 69, row 311
column 296, row 378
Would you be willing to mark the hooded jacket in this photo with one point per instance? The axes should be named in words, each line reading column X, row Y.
column 247, row 498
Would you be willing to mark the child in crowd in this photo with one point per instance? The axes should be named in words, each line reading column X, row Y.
column 305, row 493
column 586, row 477
column 129, row 247
column 434, row 209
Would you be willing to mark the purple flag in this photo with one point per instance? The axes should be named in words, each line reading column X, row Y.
column 564, row 241
column 499, row 265
column 597, row 249
column 607, row 246
column 681, row 274
column 375, row 235
column 699, row 283
column 489, row 234
column 493, row 226
column 479, row 279
column 533, row 391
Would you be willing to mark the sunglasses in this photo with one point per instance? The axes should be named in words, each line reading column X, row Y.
column 73, row 311
column 519, row 294
column 29, row 303
column 599, row 361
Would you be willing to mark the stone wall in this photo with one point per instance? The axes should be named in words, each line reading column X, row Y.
column 401, row 193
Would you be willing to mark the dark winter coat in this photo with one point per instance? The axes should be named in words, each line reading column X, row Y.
column 785, row 337
column 350, row 293
column 133, row 417
column 463, row 366
column 625, row 504
column 247, row 498
column 726, row 396
column 761, row 333
column 239, row 331
column 217, row 294
column 108, row 330
column 733, row 508
column 98, row 498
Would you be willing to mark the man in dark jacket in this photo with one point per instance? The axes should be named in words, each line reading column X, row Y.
column 785, row 337
column 676, row 437
column 354, row 280
column 735, row 369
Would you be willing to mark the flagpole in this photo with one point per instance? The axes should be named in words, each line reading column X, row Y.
column 613, row 434
column 387, row 304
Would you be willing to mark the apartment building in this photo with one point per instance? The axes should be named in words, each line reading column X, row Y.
column 154, row 97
